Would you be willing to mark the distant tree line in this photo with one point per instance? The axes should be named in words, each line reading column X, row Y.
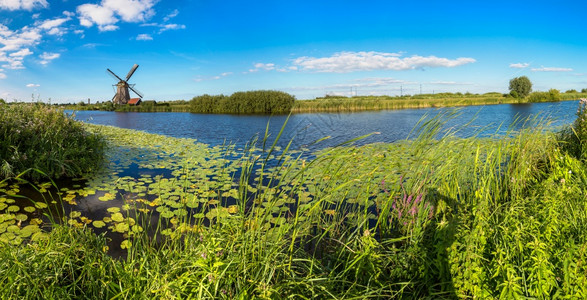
column 251, row 102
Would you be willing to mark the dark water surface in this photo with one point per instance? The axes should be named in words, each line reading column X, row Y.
column 392, row 125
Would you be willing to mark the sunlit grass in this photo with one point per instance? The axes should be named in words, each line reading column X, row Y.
column 432, row 217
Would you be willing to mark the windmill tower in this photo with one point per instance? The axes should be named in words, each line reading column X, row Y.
column 122, row 94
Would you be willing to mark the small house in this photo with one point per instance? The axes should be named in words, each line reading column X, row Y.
column 134, row 101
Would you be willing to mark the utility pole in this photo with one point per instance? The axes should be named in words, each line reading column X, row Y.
column 420, row 89
column 401, row 90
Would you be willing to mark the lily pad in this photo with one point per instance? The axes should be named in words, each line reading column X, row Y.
column 117, row 217
column 98, row 224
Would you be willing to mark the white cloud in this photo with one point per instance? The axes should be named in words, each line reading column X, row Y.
column 14, row 64
column 200, row 78
column 47, row 57
column 551, row 69
column 173, row 14
column 107, row 27
column 14, row 45
column 131, row 10
column 22, row 4
column 2, row 76
column 91, row 14
column 50, row 24
column 262, row 66
column 16, row 40
column 165, row 27
column 21, row 53
column 344, row 62
column 32, row 85
column 519, row 65
column 109, row 12
column 144, row 37
column 440, row 82
column 370, row 82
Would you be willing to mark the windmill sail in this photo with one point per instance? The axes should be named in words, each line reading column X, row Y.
column 122, row 95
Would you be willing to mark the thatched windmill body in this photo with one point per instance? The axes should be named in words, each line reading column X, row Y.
column 122, row 94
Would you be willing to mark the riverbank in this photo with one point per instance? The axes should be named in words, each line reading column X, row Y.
column 353, row 104
column 370, row 103
column 450, row 218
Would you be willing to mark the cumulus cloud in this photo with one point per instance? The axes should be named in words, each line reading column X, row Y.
column 14, row 45
column 16, row 40
column 440, row 82
column 262, row 66
column 50, row 24
column 344, row 62
column 53, row 27
column 370, row 82
column 519, row 65
column 109, row 12
column 551, row 69
column 32, row 85
column 47, row 57
column 171, row 15
column 200, row 78
column 22, row 4
column 165, row 27
column 2, row 76
column 144, row 37
column 21, row 53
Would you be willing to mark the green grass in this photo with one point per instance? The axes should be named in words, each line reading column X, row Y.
column 365, row 103
column 36, row 136
column 501, row 217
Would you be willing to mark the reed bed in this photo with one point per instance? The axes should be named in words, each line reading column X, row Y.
column 366, row 103
column 432, row 217
column 37, row 136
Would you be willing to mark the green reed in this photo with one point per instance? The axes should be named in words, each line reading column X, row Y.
column 36, row 136
column 433, row 217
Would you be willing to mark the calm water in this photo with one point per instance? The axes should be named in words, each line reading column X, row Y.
column 307, row 128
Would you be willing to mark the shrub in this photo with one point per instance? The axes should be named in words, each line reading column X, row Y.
column 551, row 96
column 251, row 102
column 44, row 138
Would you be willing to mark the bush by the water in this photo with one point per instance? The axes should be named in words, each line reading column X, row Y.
column 41, row 137
column 251, row 102
column 552, row 95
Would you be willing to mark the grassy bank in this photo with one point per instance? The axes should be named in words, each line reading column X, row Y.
column 216, row 104
column 366, row 103
column 428, row 218
column 37, row 136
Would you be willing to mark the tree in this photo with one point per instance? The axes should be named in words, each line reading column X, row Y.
column 520, row 87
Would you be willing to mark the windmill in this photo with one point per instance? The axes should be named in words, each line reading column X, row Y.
column 122, row 95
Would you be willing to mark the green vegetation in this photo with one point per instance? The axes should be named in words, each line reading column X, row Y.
column 278, row 102
column 520, row 87
column 146, row 106
column 252, row 102
column 500, row 217
column 552, row 95
column 40, row 137
column 363, row 103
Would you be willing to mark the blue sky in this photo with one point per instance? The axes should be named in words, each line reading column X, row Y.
column 60, row 49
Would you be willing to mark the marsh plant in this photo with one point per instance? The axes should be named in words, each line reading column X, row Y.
column 37, row 136
column 433, row 217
